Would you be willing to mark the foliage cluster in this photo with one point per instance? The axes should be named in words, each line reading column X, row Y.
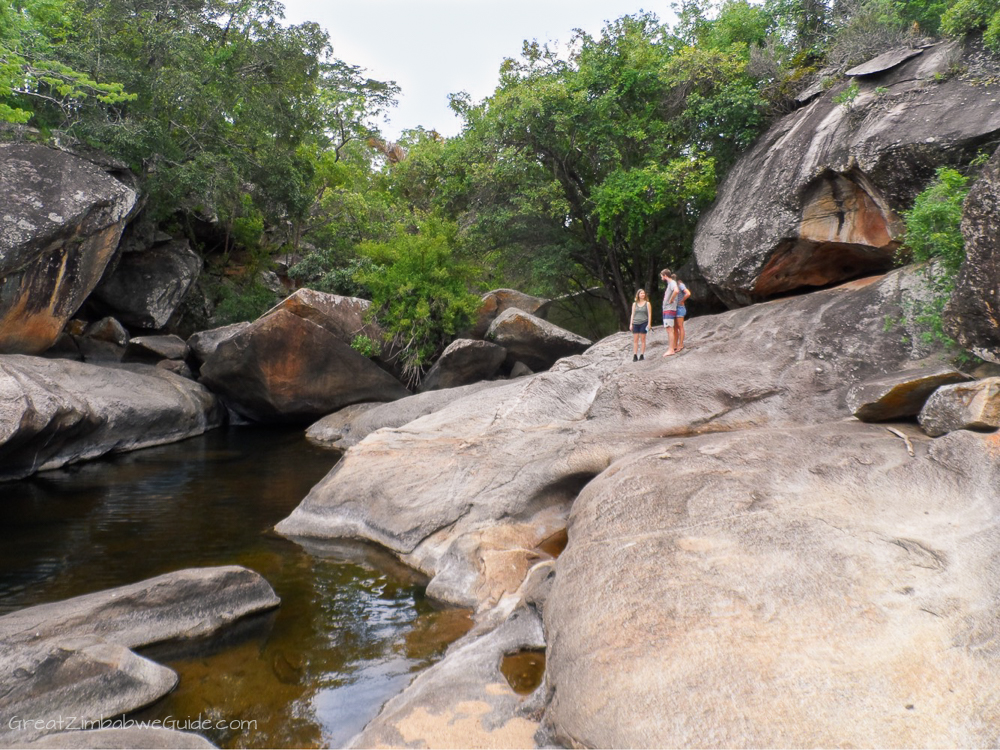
column 934, row 237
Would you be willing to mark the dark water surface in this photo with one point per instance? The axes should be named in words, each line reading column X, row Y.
column 348, row 635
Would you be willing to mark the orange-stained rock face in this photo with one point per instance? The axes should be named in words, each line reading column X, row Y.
column 846, row 231
column 61, row 221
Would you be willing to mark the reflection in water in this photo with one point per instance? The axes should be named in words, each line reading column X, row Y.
column 348, row 635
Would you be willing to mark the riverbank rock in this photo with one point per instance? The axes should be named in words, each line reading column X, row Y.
column 352, row 424
column 57, row 412
column 147, row 287
column 899, row 395
column 784, row 587
column 965, row 406
column 285, row 368
column 972, row 315
column 816, row 200
column 533, row 341
column 487, row 479
column 464, row 700
column 108, row 330
column 497, row 301
column 146, row 738
column 59, row 227
column 72, row 658
column 464, row 361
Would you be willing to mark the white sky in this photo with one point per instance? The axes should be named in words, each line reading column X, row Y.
column 432, row 48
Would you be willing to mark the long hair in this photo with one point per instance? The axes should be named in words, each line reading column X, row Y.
column 640, row 291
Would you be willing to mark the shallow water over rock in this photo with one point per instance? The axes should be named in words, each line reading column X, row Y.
column 353, row 627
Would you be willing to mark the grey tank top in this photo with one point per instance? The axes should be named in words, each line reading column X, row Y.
column 641, row 314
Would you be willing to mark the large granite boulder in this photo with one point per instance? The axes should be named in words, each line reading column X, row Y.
column 153, row 349
column 487, row 479
column 56, row 412
column 533, row 341
column 899, row 395
column 464, row 361
column 497, row 301
column 59, row 226
column 203, row 344
column 286, row 368
column 784, row 587
column 972, row 315
column 146, row 288
column 71, row 660
column 963, row 406
column 816, row 200
column 135, row 738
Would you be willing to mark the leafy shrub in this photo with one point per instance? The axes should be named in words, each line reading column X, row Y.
column 242, row 302
column 366, row 346
column 420, row 291
column 971, row 15
column 934, row 237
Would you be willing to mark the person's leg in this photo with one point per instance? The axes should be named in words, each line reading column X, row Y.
column 671, row 336
column 635, row 345
column 642, row 341
column 680, row 333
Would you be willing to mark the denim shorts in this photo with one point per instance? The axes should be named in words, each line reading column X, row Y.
column 639, row 327
column 681, row 311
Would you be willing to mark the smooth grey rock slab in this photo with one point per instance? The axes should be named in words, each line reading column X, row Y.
column 467, row 493
column 884, row 62
column 56, row 412
column 899, row 395
column 185, row 604
column 536, row 342
column 141, row 738
column 108, row 329
column 964, row 406
column 352, row 424
column 54, row 683
column 787, row 587
column 464, row 361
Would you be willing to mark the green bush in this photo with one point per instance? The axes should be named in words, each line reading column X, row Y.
column 934, row 237
column 243, row 302
column 420, row 290
column 970, row 15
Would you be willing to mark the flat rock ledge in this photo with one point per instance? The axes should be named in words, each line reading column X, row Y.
column 139, row 738
column 72, row 660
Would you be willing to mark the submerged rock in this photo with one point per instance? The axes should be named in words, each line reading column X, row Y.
column 56, row 412
column 59, row 227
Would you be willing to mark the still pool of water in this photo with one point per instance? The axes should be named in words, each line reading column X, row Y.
column 353, row 627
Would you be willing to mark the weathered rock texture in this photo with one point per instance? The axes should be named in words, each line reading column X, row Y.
column 464, row 361
column 72, row 658
column 972, row 316
column 499, row 300
column 533, row 341
column 815, row 201
column 203, row 344
column 965, row 406
column 59, row 226
column 55, row 412
column 352, row 424
column 146, row 738
column 787, row 587
column 146, row 288
column 899, row 395
column 152, row 349
column 487, row 479
column 286, row 368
